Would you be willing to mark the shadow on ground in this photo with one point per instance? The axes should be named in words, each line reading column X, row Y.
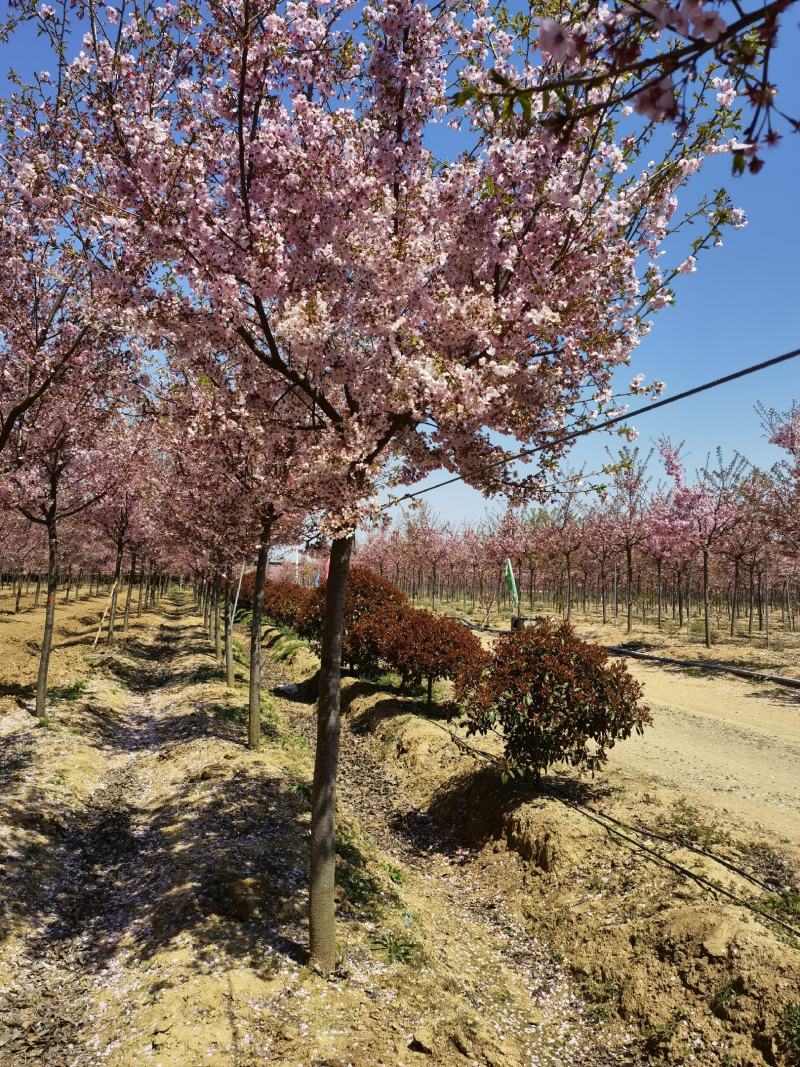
column 192, row 836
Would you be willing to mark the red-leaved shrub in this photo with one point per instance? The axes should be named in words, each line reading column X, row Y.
column 555, row 698
column 370, row 606
column 283, row 601
column 419, row 644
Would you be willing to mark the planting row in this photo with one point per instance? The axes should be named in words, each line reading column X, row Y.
column 553, row 697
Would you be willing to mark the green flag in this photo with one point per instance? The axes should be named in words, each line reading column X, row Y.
column 512, row 585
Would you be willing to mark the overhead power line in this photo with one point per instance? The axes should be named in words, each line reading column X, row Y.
column 605, row 425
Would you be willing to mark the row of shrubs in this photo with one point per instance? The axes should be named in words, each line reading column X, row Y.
column 553, row 697
column 381, row 629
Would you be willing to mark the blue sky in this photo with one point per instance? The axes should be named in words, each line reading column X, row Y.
column 742, row 306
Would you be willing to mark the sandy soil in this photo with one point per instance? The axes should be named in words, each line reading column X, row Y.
column 153, row 875
column 730, row 744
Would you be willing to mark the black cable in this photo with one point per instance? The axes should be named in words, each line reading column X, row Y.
column 605, row 425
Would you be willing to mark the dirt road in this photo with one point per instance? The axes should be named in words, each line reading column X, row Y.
column 729, row 743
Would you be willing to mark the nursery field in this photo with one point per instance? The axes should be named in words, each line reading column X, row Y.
column 154, row 871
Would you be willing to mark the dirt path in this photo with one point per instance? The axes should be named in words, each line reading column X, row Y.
column 731, row 744
column 92, row 893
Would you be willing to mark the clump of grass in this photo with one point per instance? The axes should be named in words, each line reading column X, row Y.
column 690, row 827
column 294, row 742
column 395, row 947
column 287, row 648
column 395, row 874
column 301, row 789
column 62, row 693
column 724, row 999
column 45, row 723
column 785, row 905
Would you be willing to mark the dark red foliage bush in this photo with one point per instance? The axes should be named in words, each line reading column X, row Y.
column 555, row 698
column 370, row 606
column 284, row 602
column 419, row 644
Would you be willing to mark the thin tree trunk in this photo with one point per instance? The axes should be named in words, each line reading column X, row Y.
column 706, row 605
column 112, row 610
column 254, row 712
column 229, row 674
column 629, row 585
column 322, row 911
column 658, row 589
column 49, row 617
column 129, row 594
column 217, row 634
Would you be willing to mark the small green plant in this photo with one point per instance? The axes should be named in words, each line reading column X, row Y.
column 724, row 999
column 790, row 1027
column 45, row 724
column 658, row 1036
column 287, row 649
column 395, row 874
column 785, row 904
column 302, row 789
column 396, row 948
column 61, row 693
column 690, row 827
column 294, row 741
column 270, row 725
column 693, row 672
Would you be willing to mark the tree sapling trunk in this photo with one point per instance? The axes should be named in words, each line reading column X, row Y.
column 322, row 912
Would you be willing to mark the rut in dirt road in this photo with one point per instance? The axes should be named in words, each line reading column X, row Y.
column 94, row 897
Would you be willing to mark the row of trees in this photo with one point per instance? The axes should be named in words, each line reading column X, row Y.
column 725, row 542
column 240, row 294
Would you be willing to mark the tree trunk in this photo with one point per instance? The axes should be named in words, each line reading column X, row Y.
column 706, row 606
column 735, row 598
column 229, row 675
column 217, row 634
column 254, row 713
column 322, row 911
column 37, row 592
column 658, row 589
column 49, row 616
column 629, row 585
column 112, row 610
column 129, row 594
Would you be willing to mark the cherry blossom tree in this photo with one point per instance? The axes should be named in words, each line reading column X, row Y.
column 271, row 164
column 59, row 469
